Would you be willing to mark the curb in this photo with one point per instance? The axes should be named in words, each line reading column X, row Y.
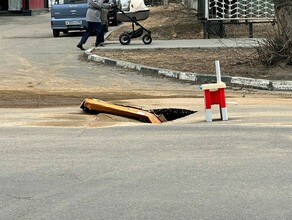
column 272, row 85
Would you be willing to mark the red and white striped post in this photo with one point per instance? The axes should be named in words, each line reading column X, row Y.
column 214, row 94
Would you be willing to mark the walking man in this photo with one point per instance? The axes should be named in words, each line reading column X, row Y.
column 93, row 17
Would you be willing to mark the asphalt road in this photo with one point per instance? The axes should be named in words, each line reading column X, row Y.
column 59, row 163
column 146, row 172
column 33, row 62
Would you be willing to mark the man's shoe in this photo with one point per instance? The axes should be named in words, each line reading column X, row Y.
column 80, row 46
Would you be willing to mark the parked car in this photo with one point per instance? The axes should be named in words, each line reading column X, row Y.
column 125, row 5
column 112, row 6
column 70, row 15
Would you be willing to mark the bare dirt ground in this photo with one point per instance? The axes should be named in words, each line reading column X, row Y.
column 31, row 82
column 176, row 22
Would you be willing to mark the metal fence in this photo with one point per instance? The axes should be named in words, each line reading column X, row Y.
column 253, row 10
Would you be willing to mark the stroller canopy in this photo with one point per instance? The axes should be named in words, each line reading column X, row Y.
column 138, row 5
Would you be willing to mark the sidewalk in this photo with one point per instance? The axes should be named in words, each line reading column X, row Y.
column 194, row 43
column 265, row 84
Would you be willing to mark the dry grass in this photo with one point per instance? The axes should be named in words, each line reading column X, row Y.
column 173, row 22
column 176, row 22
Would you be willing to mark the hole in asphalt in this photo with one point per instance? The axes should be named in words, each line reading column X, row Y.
column 164, row 114
column 171, row 114
column 155, row 116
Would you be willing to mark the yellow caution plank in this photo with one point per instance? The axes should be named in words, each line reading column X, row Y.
column 131, row 112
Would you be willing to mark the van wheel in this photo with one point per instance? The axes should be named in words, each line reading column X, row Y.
column 56, row 33
column 115, row 21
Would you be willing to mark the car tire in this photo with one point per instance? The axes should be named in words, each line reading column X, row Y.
column 56, row 33
column 115, row 17
column 115, row 21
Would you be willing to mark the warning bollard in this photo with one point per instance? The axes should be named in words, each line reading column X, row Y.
column 214, row 94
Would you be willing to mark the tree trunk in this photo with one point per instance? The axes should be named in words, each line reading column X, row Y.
column 283, row 10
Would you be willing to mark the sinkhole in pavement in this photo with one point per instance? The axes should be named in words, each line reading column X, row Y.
column 154, row 116
column 171, row 114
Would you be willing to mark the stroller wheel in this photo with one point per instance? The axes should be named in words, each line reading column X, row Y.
column 125, row 39
column 147, row 39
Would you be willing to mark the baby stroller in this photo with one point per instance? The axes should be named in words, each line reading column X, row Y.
column 138, row 12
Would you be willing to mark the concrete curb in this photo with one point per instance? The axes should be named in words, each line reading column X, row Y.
column 275, row 85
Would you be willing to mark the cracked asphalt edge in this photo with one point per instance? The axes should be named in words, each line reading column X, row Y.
column 272, row 85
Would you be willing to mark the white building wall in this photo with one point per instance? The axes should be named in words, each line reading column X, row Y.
column 14, row 5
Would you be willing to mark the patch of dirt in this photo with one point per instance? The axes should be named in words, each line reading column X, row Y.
column 233, row 62
column 171, row 23
column 176, row 22
column 33, row 99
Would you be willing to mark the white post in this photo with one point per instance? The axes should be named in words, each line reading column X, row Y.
column 208, row 115
column 224, row 114
column 218, row 71
column 207, row 9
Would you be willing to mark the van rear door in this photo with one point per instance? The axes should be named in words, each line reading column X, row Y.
column 70, row 10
